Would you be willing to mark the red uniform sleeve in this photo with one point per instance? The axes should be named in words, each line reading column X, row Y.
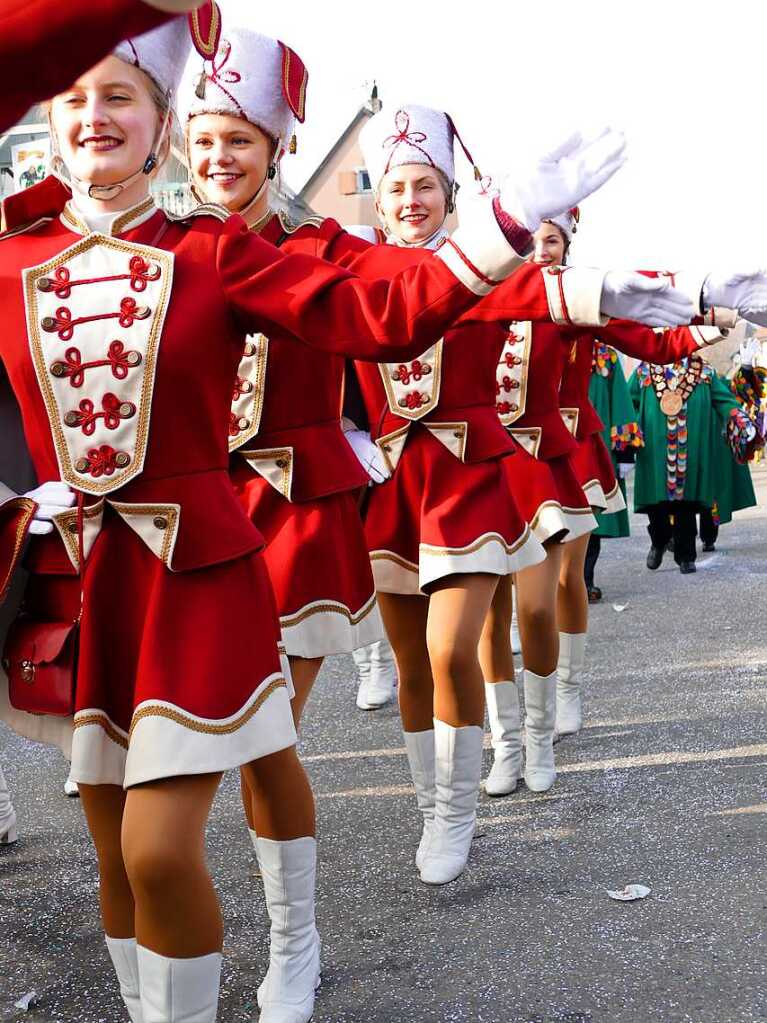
column 521, row 297
column 46, row 44
column 659, row 346
column 329, row 308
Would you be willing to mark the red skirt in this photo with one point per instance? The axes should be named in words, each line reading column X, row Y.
column 594, row 468
column 178, row 672
column 438, row 516
column 318, row 562
column 549, row 496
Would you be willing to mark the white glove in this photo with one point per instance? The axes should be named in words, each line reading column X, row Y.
column 368, row 454
column 744, row 290
column 649, row 300
column 51, row 498
column 625, row 469
column 557, row 180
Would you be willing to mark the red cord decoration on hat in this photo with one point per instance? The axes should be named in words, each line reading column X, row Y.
column 404, row 134
column 220, row 74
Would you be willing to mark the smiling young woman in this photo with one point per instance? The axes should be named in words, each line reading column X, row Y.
column 146, row 582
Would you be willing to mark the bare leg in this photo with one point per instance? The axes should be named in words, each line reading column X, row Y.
column 572, row 596
column 163, row 842
column 405, row 619
column 304, row 671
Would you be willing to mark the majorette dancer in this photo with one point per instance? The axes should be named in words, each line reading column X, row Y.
column 121, row 347
column 445, row 527
column 44, row 46
column 552, row 678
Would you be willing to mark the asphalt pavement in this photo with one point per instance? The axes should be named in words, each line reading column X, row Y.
column 666, row 787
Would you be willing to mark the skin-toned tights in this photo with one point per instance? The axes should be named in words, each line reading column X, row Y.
column 536, row 596
column 150, row 843
column 435, row 640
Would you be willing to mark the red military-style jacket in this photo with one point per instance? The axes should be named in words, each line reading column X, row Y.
column 122, row 350
column 450, row 389
column 46, row 44
column 286, row 410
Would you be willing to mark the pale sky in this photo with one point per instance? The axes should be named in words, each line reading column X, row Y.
column 685, row 81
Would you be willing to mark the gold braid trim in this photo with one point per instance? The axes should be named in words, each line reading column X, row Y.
column 26, row 505
column 208, row 728
column 340, row 609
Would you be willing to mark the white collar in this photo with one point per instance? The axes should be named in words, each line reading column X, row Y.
column 112, row 223
column 430, row 243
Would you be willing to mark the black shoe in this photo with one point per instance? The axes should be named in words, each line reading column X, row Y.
column 595, row 594
column 687, row 567
column 708, row 547
column 654, row 558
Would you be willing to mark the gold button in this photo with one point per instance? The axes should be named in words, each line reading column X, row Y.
column 514, row 384
column 160, row 522
column 243, row 423
column 387, row 447
column 513, row 407
column 45, row 284
column 127, row 409
column 246, row 387
column 28, row 672
column 458, row 434
column 133, row 358
column 82, row 465
column 122, row 459
column 71, row 419
column 58, row 369
column 281, row 463
column 72, row 527
column 250, row 349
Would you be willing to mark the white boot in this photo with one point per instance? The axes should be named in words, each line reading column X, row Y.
column 286, row 994
column 516, row 642
column 502, row 700
column 178, row 990
column 458, row 770
column 420, row 755
column 8, row 831
column 378, row 674
column 572, row 657
column 71, row 788
column 540, row 717
column 122, row 952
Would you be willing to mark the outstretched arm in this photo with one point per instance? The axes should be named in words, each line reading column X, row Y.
column 46, row 44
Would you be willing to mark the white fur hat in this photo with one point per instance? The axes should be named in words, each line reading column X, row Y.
column 251, row 76
column 410, row 134
column 163, row 52
column 568, row 222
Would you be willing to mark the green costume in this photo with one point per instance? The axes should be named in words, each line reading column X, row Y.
column 609, row 394
column 685, row 457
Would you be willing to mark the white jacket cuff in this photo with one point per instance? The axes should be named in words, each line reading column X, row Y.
column 477, row 252
column 574, row 295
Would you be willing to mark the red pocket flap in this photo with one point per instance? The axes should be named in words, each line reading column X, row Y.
column 39, row 642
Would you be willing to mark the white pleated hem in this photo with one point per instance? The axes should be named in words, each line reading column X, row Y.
column 327, row 627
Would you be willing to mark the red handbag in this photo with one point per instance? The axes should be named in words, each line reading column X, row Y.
column 40, row 659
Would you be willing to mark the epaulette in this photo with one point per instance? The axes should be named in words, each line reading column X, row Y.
column 290, row 226
column 24, row 228
column 206, row 209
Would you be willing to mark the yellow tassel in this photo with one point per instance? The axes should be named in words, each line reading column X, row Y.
column 293, row 147
column 477, row 174
column 200, row 90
